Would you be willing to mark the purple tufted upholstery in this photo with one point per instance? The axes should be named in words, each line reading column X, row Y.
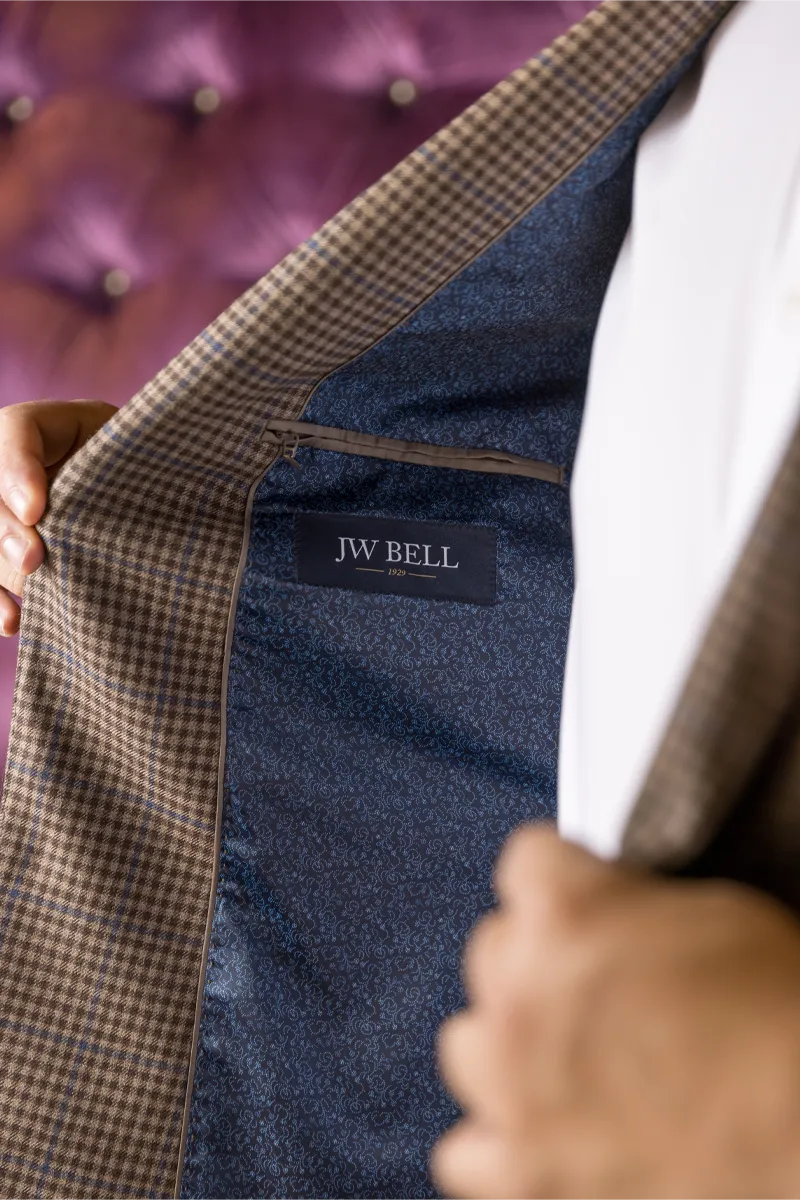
column 156, row 158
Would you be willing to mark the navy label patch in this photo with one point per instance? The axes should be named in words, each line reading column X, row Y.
column 409, row 558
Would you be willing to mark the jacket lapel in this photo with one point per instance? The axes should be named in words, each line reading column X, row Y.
column 723, row 793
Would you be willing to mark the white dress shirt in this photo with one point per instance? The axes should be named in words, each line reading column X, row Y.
column 693, row 393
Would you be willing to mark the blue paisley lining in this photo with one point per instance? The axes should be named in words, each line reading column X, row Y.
column 381, row 747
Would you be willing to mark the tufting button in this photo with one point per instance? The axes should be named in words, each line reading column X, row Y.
column 206, row 100
column 402, row 92
column 19, row 109
column 116, row 282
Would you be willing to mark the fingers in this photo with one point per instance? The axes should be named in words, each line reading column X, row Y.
column 36, row 438
column 549, row 880
column 472, row 1161
column 513, row 1059
column 23, row 479
column 487, row 957
column 472, row 1066
column 21, row 551
column 550, row 893
column 9, row 615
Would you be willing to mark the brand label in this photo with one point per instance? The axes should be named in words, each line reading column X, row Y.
column 410, row 558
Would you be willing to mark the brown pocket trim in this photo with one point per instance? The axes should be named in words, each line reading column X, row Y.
column 290, row 436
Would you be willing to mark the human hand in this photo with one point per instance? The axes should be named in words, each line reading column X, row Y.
column 626, row 1036
column 36, row 439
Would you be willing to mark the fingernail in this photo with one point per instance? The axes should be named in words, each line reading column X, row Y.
column 18, row 502
column 13, row 549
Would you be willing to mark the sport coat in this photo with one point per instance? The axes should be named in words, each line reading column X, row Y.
column 292, row 670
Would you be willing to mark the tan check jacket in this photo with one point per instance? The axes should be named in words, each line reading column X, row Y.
column 112, row 784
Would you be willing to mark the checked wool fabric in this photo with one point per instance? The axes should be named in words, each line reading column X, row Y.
column 112, row 797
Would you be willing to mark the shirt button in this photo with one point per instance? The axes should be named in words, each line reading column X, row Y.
column 206, row 100
column 116, row 282
column 402, row 92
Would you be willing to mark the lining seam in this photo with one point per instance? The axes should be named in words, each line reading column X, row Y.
column 201, row 984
